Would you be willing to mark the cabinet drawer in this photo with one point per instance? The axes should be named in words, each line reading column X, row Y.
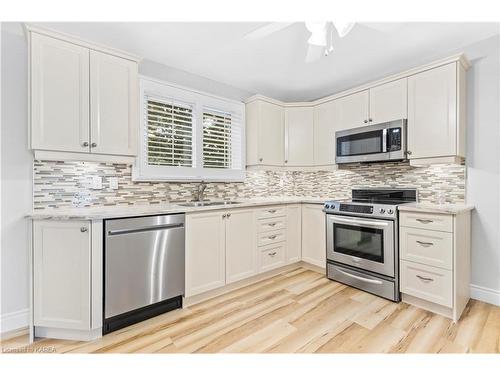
column 428, row 247
column 426, row 282
column 422, row 220
column 271, row 237
column 271, row 211
column 271, row 256
column 266, row 225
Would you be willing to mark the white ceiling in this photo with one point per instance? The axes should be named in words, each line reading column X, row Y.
column 274, row 66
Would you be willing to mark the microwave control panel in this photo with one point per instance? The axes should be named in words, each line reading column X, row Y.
column 394, row 139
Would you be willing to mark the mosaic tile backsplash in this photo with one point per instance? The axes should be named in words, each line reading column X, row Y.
column 68, row 184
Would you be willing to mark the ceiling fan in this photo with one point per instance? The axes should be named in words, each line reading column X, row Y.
column 321, row 38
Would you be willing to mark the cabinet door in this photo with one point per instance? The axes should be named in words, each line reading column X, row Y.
column 205, row 252
column 271, row 134
column 59, row 95
column 240, row 245
column 313, row 235
column 388, row 102
column 324, row 134
column 113, row 104
column 432, row 113
column 61, row 262
column 293, row 233
column 299, row 141
column 352, row 111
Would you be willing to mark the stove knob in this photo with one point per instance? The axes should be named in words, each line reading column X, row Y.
column 390, row 211
column 327, row 206
column 382, row 210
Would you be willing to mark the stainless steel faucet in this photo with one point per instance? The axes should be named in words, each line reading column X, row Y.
column 200, row 190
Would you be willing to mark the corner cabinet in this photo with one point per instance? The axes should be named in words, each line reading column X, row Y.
column 314, row 235
column 67, row 279
column 299, row 138
column 84, row 99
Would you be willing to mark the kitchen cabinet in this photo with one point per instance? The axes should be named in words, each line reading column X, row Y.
column 84, row 100
column 59, row 95
column 435, row 260
column 352, row 111
column 240, row 244
column 113, row 104
column 62, row 274
column 313, row 235
column 265, row 135
column 293, row 233
column 388, row 102
column 324, row 134
column 436, row 113
column 299, row 138
column 205, row 252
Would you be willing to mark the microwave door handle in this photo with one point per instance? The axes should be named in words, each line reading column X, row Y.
column 384, row 140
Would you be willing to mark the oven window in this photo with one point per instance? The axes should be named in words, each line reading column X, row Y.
column 367, row 243
column 360, row 144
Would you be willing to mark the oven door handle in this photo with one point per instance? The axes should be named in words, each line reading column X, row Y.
column 371, row 281
column 360, row 222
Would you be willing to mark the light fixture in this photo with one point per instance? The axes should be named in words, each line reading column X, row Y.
column 318, row 33
column 343, row 27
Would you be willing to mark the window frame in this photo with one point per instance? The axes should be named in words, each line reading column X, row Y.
column 166, row 91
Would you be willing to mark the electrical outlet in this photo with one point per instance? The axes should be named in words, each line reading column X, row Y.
column 97, row 182
column 113, row 183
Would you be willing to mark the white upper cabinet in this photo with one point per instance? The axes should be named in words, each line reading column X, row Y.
column 388, row 102
column 324, row 134
column 434, row 130
column 265, row 133
column 113, row 107
column 299, row 138
column 59, row 95
column 352, row 111
column 83, row 100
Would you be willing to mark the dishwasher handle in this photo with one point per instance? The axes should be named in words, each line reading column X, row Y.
column 118, row 232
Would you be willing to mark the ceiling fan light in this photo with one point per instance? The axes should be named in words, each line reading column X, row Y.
column 343, row 28
column 317, row 39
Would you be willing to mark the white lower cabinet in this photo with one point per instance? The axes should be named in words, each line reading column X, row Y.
column 240, row 244
column 205, row 252
column 313, row 235
column 293, row 233
column 271, row 256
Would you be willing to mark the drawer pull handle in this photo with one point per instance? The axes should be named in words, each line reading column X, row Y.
column 428, row 279
column 272, row 254
column 425, row 221
column 83, row 229
column 272, row 237
column 271, row 211
column 271, row 224
column 425, row 243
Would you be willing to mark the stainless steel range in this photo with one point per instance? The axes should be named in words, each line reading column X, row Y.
column 362, row 240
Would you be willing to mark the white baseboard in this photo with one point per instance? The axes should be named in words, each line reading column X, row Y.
column 14, row 320
column 485, row 294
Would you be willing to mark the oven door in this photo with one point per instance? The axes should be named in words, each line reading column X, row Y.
column 363, row 243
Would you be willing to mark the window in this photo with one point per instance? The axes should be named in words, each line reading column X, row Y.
column 187, row 135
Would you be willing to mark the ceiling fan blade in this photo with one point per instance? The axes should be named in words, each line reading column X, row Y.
column 266, row 30
column 314, row 53
column 383, row 27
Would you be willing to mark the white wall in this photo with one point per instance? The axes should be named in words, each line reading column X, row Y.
column 16, row 179
column 483, row 162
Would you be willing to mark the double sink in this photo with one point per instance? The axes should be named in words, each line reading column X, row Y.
column 207, row 203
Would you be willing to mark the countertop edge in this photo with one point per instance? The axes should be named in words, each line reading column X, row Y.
column 450, row 209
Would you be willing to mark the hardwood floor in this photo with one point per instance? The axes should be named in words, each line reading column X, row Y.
column 295, row 311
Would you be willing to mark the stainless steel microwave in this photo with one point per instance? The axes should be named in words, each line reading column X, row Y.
column 379, row 142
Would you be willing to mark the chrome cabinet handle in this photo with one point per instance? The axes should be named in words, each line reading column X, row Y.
column 85, row 144
column 228, row 215
column 425, row 243
column 408, row 152
column 425, row 221
column 83, row 229
column 271, row 224
column 272, row 254
column 260, row 159
column 224, row 216
column 424, row 278
column 271, row 211
column 93, row 144
column 286, row 161
column 370, row 119
column 272, row 237
column 366, row 121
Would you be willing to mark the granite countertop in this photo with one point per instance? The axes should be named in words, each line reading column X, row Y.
column 446, row 208
column 109, row 212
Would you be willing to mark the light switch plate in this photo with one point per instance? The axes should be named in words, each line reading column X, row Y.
column 96, row 182
column 113, row 183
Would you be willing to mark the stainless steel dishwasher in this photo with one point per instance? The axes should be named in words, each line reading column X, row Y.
column 143, row 268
